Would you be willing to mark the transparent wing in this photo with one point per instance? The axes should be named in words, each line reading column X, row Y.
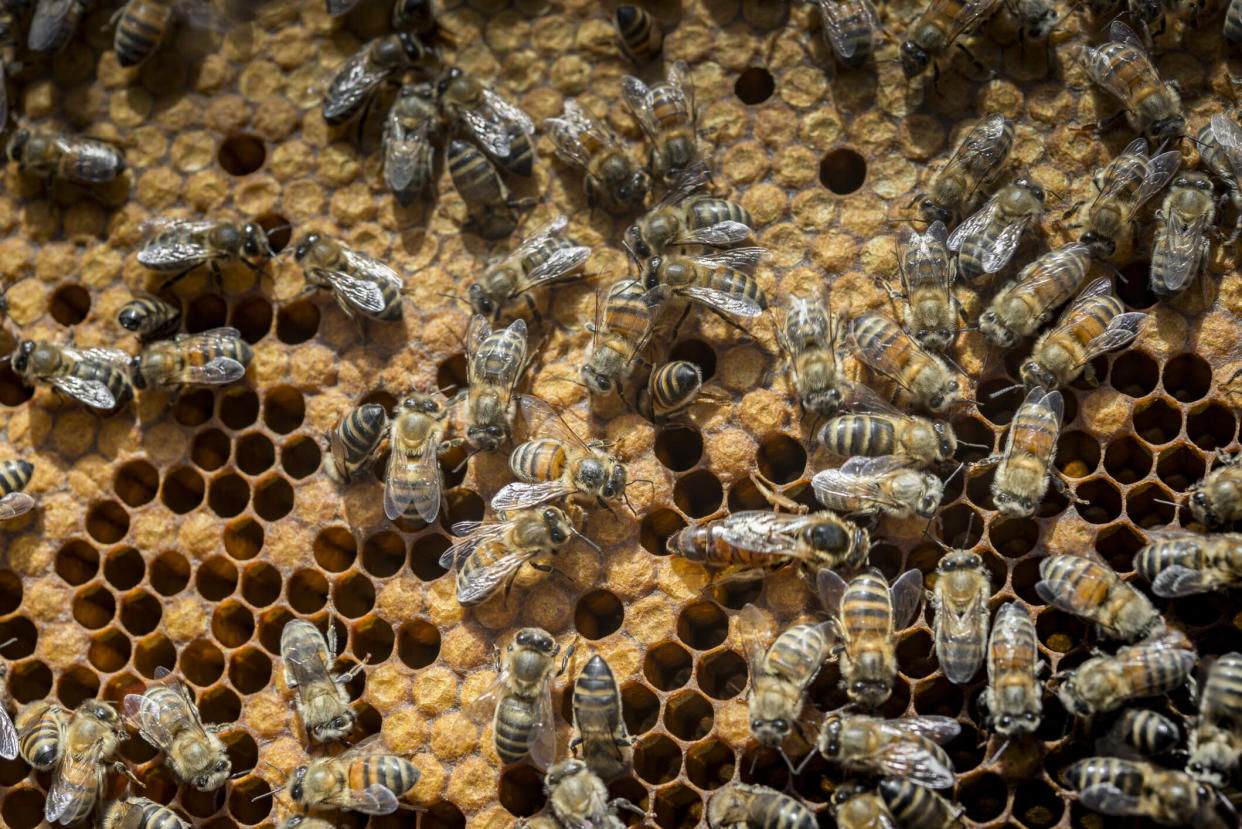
column 1077, row 311
column 542, row 746
column 519, row 495
column 555, row 266
column 637, row 97
column 336, row 8
column 1001, row 250
column 555, row 227
column 1159, row 170
column 306, row 658
column 764, row 532
column 8, row 736
column 373, row 800
column 831, row 590
column 972, row 12
column 1176, row 581
column 832, row 20
column 861, row 398
column 352, row 83
column 477, row 331
column 1121, row 331
column 46, row 23
column 486, row 580
column 1119, row 32
column 919, row 250
column 679, row 80
column 933, row 727
column 90, row 392
column 544, row 421
column 720, row 234
column 978, row 148
column 1229, row 136
column 974, row 225
column 742, row 259
column 73, row 771
column 695, row 177
column 566, row 133
column 405, row 160
column 372, row 269
column 841, row 483
column 361, row 293
column 15, row 504
column 916, row 763
column 730, row 304
column 479, row 532
column 907, row 596
column 752, row 630
column 411, row 463
column 143, row 715
column 215, row 372
column 173, row 242
column 1183, row 245
column 482, row 708
column 1107, row 799
column 1052, row 264
column 492, row 135
column 110, row 356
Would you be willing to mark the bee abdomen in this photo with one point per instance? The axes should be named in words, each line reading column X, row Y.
column 1233, row 22
column 538, row 460
column 1111, row 770
column 360, row 433
column 1222, row 693
column 738, row 283
column 396, row 774
column 41, row 746
column 858, row 435
column 914, row 805
column 1154, row 558
column 14, row 475
column 800, row 645
column 514, row 721
column 140, row 30
column 640, row 35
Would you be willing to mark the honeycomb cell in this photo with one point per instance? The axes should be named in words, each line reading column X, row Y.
column 383, row 554
column 710, row 764
column 914, row 654
column 972, row 430
column 273, row 498
column 1127, row 460
column 521, row 790
column 193, row 407
column 300, row 457
column 698, row 494
column 743, row 495
column 107, row 522
column 93, row 607
column 13, row 392
column 766, row 767
column 1135, row 373
column 1103, row 500
column 1060, row 633
column 216, row 578
column 887, row 558
column 183, row 490
column 307, row 591
column 77, row 562
column 136, row 483
column 170, row 573
column 1134, row 286
column 657, row 527
column 1157, row 421
column 688, row 716
column 657, row 759
column 597, row 614
column 1187, row 377
column 640, row 708
column 202, row 663
column 69, row 304
column 260, row 584
column 232, row 624
column 250, row 670
column 205, row 312
column 1014, row 537
column 353, row 596
column 1118, row 544
column 255, row 453
column 667, row 666
column 229, row 495
column 737, row 594
column 451, row 374
column 697, row 352
column 998, row 399
column 1180, row 467
column 780, row 458
column 297, row 322
column 203, row 804
column 754, row 85
column 76, row 684
column 283, row 409
column 239, row 407
column 418, row 643
column 210, row 449
column 252, row 317
column 1211, row 426
column 938, row 697
column 702, row 625
column 679, row 447
column 23, row 808
column 1078, row 454
column 721, row 675
column 443, row 815
column 155, row 652
column 335, row 549
column 984, row 796
column 241, row 747
column 1150, row 505
column 30, row 681
column 13, row 771
column 960, row 526
column 842, row 171
column 278, row 229
column 124, row 568
column 241, row 155
column 373, row 640
column 10, row 591
column 425, row 556
column 109, row 650
column 19, row 636
column 116, row 690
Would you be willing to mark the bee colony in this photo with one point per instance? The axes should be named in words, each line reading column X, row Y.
column 195, row 528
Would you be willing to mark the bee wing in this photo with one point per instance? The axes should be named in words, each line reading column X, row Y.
column 1001, row 251
column 838, row 36
column 831, row 590
column 861, row 398
column 304, row 662
column 91, row 392
column 1114, row 184
column 360, row 293
column 485, row 580
column 408, row 462
column 542, row 746
column 907, row 596
column 336, row 8
column 1122, row 329
column 637, row 97
column 763, row 532
column 481, row 709
column 973, row 225
column 111, row 356
column 353, row 82
column 542, row 420
column 45, row 26
column 138, row 707
column 566, row 132
column 679, row 79
column 1119, row 32
column 69, row 774
column 752, row 630
column 978, row 149
column 555, row 227
column 845, row 483
column 372, row 268
column 477, row 330
column 911, row 759
column 219, row 371
column 8, row 736
column 556, row 266
column 722, row 233
column 693, row 178
column 373, row 800
column 1176, row 581
column 972, row 12
column 1050, row 270
column 404, row 160
column 1160, row 169
column 1107, row 799
column 742, row 259
column 729, row 304
column 963, row 626
column 883, row 360
column 1183, row 240
column 479, row 532
column 934, row 727
column 13, row 505
column 493, row 135
column 1229, row 136
column 936, row 234
column 519, row 495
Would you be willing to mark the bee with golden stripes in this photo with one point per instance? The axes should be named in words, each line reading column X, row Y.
column 742, row 806
column 1013, row 698
column 323, row 702
column 1217, row 499
column 353, row 87
column 780, row 674
column 408, row 151
column 683, row 218
column 936, row 29
column 141, row 26
column 666, row 113
column 495, row 361
column 412, row 481
column 97, row 377
column 923, row 377
column 1128, row 182
column 1093, row 324
column 141, row 813
column 360, row 284
column 849, row 28
column 80, row 771
column 1142, row 732
column 1153, row 667
column 1182, row 562
column 808, row 336
column 53, row 24
column 624, row 319
column 960, row 601
column 167, row 718
column 857, row 805
column 986, row 241
column 41, row 728
column 1025, row 468
column 495, row 551
column 490, row 208
column 1091, row 589
column 178, row 246
column 354, row 442
column 932, row 313
column 866, row 614
column 602, row 738
column 76, row 158
column 547, row 258
column 149, row 317
column 907, row 748
column 501, row 128
column 869, row 487
column 363, row 779
column 612, row 176
column 673, row 388
column 1117, row 787
column 638, row 33
column 879, row 429
column 1180, row 248
column 918, row 807
column 1220, row 149
column 14, row 476
column 578, row 798
column 1022, row 306
column 519, row 702
column 723, row 281
column 1216, row 736
column 756, row 541
column 976, row 161
column 1124, row 69
column 209, row 358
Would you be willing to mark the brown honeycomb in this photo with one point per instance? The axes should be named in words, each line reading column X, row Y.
column 185, row 533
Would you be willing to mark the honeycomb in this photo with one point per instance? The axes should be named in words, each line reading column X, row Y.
column 184, row 533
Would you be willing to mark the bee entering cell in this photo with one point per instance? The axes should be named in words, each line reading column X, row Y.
column 842, row 171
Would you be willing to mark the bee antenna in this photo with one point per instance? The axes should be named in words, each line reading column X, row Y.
column 904, row 221
column 466, row 460
column 998, row 753
column 806, row 761
column 284, row 773
column 1005, row 390
column 970, row 524
column 454, row 297
column 1173, row 504
column 4, row 645
column 932, row 538
column 272, row 793
column 954, row 475
column 569, row 380
column 587, row 541
column 973, row 445
column 788, row 762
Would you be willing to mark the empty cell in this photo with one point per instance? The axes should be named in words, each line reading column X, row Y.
column 688, row 716
column 1078, row 454
column 657, row 527
column 228, row 496
column 77, row 562
column 1134, row 373
column 170, row 573
column 938, row 697
column 1200, row 611
column 202, row 662
column 252, row 317
column 721, row 675
column 521, row 790
column 764, row 766
column 335, row 549
column 679, row 447
column 221, row 705
column 297, row 322
column 425, row 556
column 353, row 595
column 754, row 85
column 461, row 505
column 697, row 352
column 1157, row 420
column 1103, row 500
column 372, row 640
column 657, row 759
column 107, row 522
column 1118, row 544
column 10, row 591
column 698, row 494
column 232, row 624
column 155, row 652
column 702, row 625
column 744, row 495
column 1134, row 286
column 271, row 625
column 1127, row 460
column 418, row 643
column 23, row 808
column 239, row 407
column 887, row 558
column 69, row 304
column 273, row 498
column 76, row 685
column 1187, row 377
column 960, row 526
column 205, row 312
column 1211, row 426
column 842, row 171
column 451, row 374
column 1150, row 505
column 1013, row 537
column 210, row 449
column 255, row 453
column 203, row 804
column 710, row 764
column 183, row 490
column 597, row 614
column 13, row 771
column 216, row 578
column 29, row 681
column 442, row 815
column 780, row 458
column 250, row 670
column 640, row 708
column 307, row 591
column 356, row 685
column 300, row 457
column 136, row 483
column 1024, row 576
column 979, row 487
column 241, row 747
column 120, row 686
column 383, row 554
column 736, row 594
column 914, row 654
column 998, row 399
column 1056, row 721
column 260, row 584
column 193, row 407
column 974, row 431
column 453, row 465
column 667, row 666
column 283, row 409
column 984, row 796
column 13, row 392
column 18, row 637
column 109, row 650
column 93, row 607
column 1180, row 467
column 241, row 155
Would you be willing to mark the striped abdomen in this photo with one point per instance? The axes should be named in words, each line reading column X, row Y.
column 393, row 773
column 1012, row 648
column 626, row 316
column 1221, row 698
column 1041, row 286
column 640, row 35
column 1148, row 732
column 867, row 609
column 474, row 177
column 1085, row 583
column 205, row 348
column 1033, row 432
column 14, row 475
column 883, row 345
column 703, row 543
column 597, row 713
column 705, row 212
column 1233, row 22
column 733, row 282
column 521, row 158
column 1161, row 555
column 1128, row 168
column 1155, row 669
column 668, row 106
column 539, row 460
column 1122, row 774
column 169, row 714
column 515, row 719
column 109, row 375
column 798, row 648
column 82, row 783
column 140, row 30
column 1129, row 65
column 860, row 434
column 42, row 727
column 150, row 316
column 916, row 806
column 356, row 438
column 673, row 387
column 773, row 810
column 498, row 355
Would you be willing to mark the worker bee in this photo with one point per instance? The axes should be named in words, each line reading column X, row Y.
column 1012, row 698
column 1216, row 737
column 79, row 775
column 755, row 541
column 673, row 388
column 74, row 158
column 482, row 189
column 873, row 486
column 353, row 442
column 1142, row 732
column 918, row 807
column 849, row 28
column 495, row 361
column 501, row 128
column 14, row 475
column 907, row 748
column 683, row 218
column 547, row 821
column 1179, row 249
column 808, row 335
column 1182, row 563
column 1025, row 467
column 977, row 161
column 960, row 600
column 1124, row 69
column 985, row 242
column 1113, row 786
column 179, row 246
column 10, row 745
column 1092, row 325
column 544, row 259
column 407, row 142
column 1128, row 182
column 141, row 813
column 602, row 737
column 354, row 85
column 493, row 554
column 209, row 358
column 519, row 702
column 638, row 33
column 412, row 481
column 611, row 175
column 578, row 797
column 932, row 312
column 1022, row 306
column 722, row 280
column 1220, row 148
column 934, row 32
column 362, row 779
column 360, row 284
column 54, row 23
column 417, row 16
column 98, row 377
column 311, row 822
column 738, row 806
column 667, row 115
column 922, row 376
column 150, row 317
column 167, row 718
column 1035, row 18
column 857, row 805
column 140, row 28
column 1153, row 667
column 624, row 319
column 1091, row 589
column 323, row 702
column 881, row 429
column 41, row 730
column 779, row 675
column 1217, row 499
column 557, row 463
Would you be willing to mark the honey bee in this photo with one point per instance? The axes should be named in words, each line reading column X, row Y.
column 141, row 813
column 140, row 29
column 932, row 312
column 1217, row 499
column 808, row 335
column 1182, row 563
column 1216, row 737
column 883, row 430
column 546, row 821
column 866, row 614
column 98, row 377
column 354, row 441
column 323, row 702
column 10, row 37
column 985, row 242
column 482, row 189
column 10, row 745
column 779, row 675
column 179, row 246
column 638, row 33
column 408, row 149
column 940, row 24
column 493, row 554
column 1179, row 249
column 360, row 284
column 544, row 259
column 1144, row 732
column 150, row 317
column 739, row 806
column 960, row 600
column 667, row 115
column 1113, row 786
column 41, row 728
column 1091, row 589
column 1153, row 667
column 1025, row 467
column 906, row 748
column 354, row 85
column 501, row 128
column 362, row 779
column 673, row 388
column 923, row 377
column 1124, row 69
column 495, row 361
column 1127, row 183
column 519, row 702
column 1012, row 698
column 1220, row 148
column 167, row 718
column 849, row 28
column 79, row 775
column 918, row 807
column 722, row 280
column 308, row 822
column 53, row 24
column 624, row 319
column 1022, row 306
column 1232, row 28
column 209, row 358
column 683, row 218
column 1035, row 18
column 1092, row 325
column 416, row 16
column 602, row 737
column 74, row 158
column 14, row 475
column 412, row 481
column 756, row 542
column 611, row 175
column 578, row 797
column 977, row 161
column 874, row 486
column 857, row 805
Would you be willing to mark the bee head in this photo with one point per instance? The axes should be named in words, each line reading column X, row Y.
column 412, row 46
column 535, row 638
column 771, row 732
column 486, row 438
column 913, row 59
column 254, row 240
column 994, row 331
column 869, row 692
column 1034, row 374
column 480, row 302
column 947, row 441
column 824, row 403
column 1041, row 27
column 1012, row 504
column 1032, row 188
column 21, row 359
column 18, row 143
column 616, row 482
column 632, row 191
column 595, row 381
column 304, row 246
column 929, row 502
column 1099, row 245
column 297, row 789
column 946, row 396
column 959, row 560
column 1168, row 129
column 1198, row 505
column 212, row 780
column 933, row 212
column 447, row 80
column 334, row 728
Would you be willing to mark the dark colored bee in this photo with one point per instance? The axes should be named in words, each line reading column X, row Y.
column 483, row 190
column 354, row 441
column 181, row 245
column 140, row 29
column 210, row 358
column 639, row 34
column 71, row 157
column 98, row 377
column 54, row 23
column 417, row 16
column 14, row 475
column 500, row 127
column 150, row 317
column 355, row 83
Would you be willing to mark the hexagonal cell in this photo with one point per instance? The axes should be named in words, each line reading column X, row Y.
column 521, row 790
column 193, row 407
column 938, row 696
column 255, row 453
column 13, row 391
column 93, row 607
column 335, row 549
column 1060, row 633
column 229, row 495
column 1103, row 500
column 443, row 815
column 418, row 643
column 297, row 322
column 109, row 650
column 23, row 808
column 1211, row 426
column 1127, row 460
column 1187, row 377
column 657, row 759
column 1134, row 373
column 353, row 595
column 984, row 796
column 688, row 716
column 999, row 400
column 698, row 494
column 300, row 457
column 721, row 675
column 1078, row 454
column 136, row 483
column 170, row 573
column 640, row 708
column 216, row 578
column 241, row 747
column 77, row 562
column 1013, row 537
column 597, row 614
column 1150, row 505
column 252, row 317
column 19, row 636
column 679, row 447
column 1180, row 467
column 239, row 407
column 124, row 568
column 736, row 594
column 842, row 171
column 250, row 670
column 667, row 666
column 780, row 459
column 30, row 681
column 76, row 685
column 232, row 624
column 972, row 430
column 1118, row 544
column 204, row 804
column 307, row 591
column 210, row 449
column 702, row 625
column 202, row 663
column 383, row 554
column 657, row 527
column 425, row 556
column 154, row 652
column 204, row 312
column 283, row 409
column 754, row 85
column 710, row 764
column 69, row 304
column 462, row 505
column 243, row 539
column 260, row 584
column 743, row 495
column 1157, row 420
column 107, row 522
column 697, row 352
column 960, row 526
column 273, row 498
column 183, row 490
column 914, row 654
column 372, row 640
column 271, row 625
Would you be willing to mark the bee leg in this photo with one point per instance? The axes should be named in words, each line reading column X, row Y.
column 121, row 768
column 168, row 283
column 1109, row 121
column 1064, row 488
column 574, row 744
